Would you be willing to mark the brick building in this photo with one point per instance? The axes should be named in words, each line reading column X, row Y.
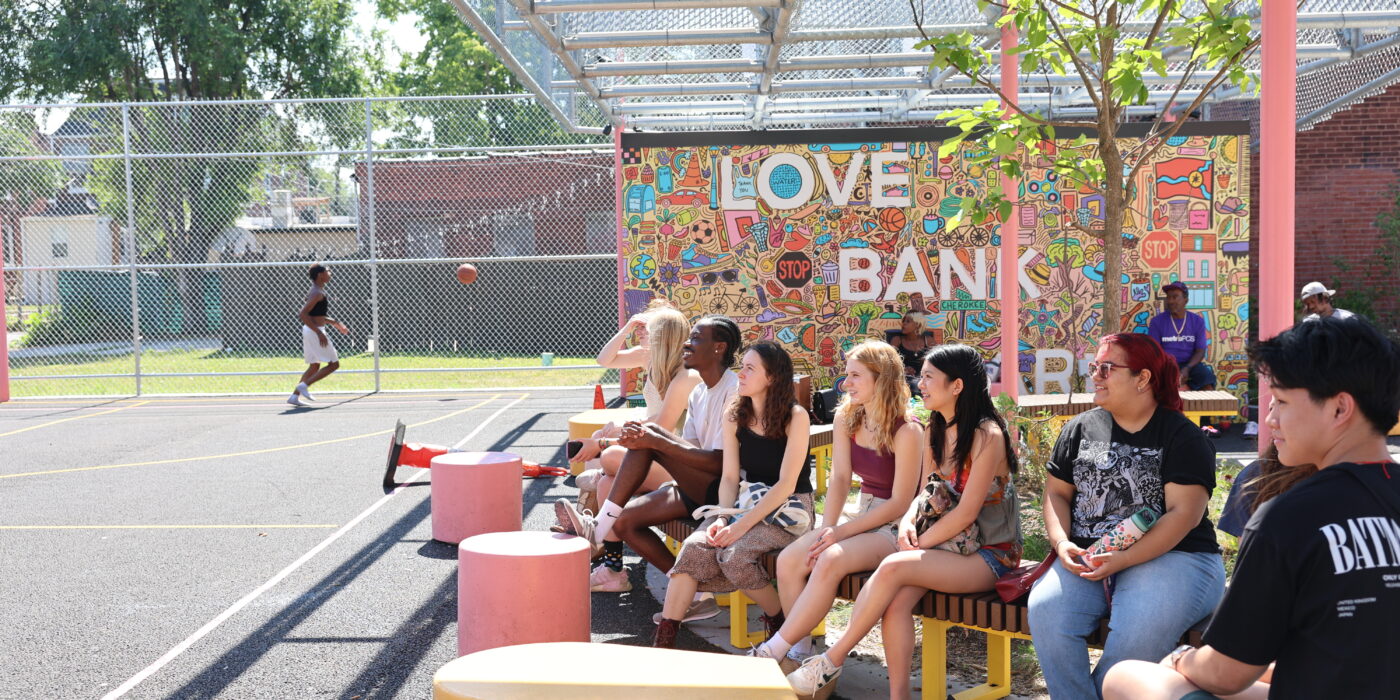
column 555, row 203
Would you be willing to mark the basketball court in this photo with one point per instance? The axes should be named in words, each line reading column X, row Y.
column 234, row 546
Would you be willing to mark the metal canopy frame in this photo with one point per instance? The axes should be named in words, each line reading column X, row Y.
column 756, row 64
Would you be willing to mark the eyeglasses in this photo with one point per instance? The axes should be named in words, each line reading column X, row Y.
column 1099, row 370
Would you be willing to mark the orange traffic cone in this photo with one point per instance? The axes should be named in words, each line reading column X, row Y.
column 598, row 401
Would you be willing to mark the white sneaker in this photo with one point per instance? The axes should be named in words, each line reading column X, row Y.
column 813, row 676
column 295, row 400
column 1251, row 428
column 305, row 392
column 787, row 664
column 702, row 609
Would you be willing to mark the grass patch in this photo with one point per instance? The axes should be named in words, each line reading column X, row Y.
column 217, row 361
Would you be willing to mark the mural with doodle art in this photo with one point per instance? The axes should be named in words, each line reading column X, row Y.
column 818, row 241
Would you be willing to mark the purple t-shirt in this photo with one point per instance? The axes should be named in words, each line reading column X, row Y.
column 1179, row 344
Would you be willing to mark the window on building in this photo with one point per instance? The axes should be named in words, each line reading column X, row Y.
column 600, row 232
column 513, row 233
column 1205, row 269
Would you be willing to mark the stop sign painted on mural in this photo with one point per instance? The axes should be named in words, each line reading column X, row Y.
column 1160, row 250
column 794, row 269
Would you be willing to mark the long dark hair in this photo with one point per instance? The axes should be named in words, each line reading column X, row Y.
column 1275, row 478
column 1144, row 352
column 974, row 404
column 778, row 399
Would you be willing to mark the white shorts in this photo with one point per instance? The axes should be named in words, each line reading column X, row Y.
column 313, row 351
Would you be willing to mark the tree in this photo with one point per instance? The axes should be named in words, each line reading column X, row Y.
column 1112, row 46
column 22, row 183
column 865, row 311
column 172, row 50
column 454, row 61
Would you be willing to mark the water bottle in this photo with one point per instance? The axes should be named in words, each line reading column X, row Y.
column 1130, row 530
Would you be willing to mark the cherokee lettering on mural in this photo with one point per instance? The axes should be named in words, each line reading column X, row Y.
column 822, row 243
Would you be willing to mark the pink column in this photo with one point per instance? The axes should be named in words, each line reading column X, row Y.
column 4, row 343
column 1277, row 134
column 1008, row 268
column 522, row 588
column 621, row 236
column 473, row 493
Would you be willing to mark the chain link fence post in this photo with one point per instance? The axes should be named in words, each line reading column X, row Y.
column 373, row 239
column 129, row 242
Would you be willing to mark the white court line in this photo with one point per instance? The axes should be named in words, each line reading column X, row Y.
column 222, row 617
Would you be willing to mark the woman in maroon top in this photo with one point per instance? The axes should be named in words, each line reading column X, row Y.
column 873, row 438
column 964, row 550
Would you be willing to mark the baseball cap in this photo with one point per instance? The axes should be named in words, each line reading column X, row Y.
column 1315, row 288
column 1176, row 285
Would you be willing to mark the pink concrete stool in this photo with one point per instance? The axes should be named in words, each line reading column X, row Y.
column 522, row 588
column 473, row 493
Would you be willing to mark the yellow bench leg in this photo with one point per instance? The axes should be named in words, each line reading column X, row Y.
column 739, row 635
column 935, row 661
column 998, row 683
column 821, row 458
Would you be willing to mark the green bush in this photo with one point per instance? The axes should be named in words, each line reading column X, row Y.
column 80, row 321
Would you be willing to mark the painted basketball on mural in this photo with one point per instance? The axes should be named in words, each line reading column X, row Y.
column 893, row 219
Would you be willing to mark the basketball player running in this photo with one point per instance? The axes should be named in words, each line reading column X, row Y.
column 316, row 347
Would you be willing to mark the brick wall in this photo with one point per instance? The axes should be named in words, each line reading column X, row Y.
column 1346, row 167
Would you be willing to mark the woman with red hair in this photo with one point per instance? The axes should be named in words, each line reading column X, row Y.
column 1134, row 451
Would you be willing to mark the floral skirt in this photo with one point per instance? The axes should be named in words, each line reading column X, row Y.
column 738, row 566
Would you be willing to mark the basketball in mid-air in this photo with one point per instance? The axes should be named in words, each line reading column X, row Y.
column 466, row 273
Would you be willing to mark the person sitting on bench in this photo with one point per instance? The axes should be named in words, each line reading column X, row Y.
column 969, row 461
column 668, row 383
column 1314, row 591
column 693, row 459
column 765, row 442
column 874, row 437
column 1135, row 450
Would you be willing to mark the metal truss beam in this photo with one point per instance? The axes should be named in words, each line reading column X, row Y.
column 544, row 7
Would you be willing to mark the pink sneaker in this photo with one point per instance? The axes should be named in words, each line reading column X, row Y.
column 605, row 580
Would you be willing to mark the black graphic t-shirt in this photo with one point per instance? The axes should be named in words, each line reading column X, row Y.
column 1317, row 587
column 1116, row 473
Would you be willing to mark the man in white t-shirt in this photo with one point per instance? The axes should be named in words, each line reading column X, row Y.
column 693, row 459
column 1317, row 301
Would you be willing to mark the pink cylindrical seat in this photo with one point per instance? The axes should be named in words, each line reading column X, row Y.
column 522, row 588
column 475, row 493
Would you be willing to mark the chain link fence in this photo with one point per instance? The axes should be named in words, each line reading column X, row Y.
column 164, row 248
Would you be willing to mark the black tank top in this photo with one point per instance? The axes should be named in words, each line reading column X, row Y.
column 761, row 459
column 322, row 305
column 913, row 359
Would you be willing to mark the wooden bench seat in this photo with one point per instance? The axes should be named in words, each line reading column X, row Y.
column 985, row 612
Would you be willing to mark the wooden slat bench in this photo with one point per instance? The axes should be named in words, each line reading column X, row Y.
column 1196, row 404
column 984, row 612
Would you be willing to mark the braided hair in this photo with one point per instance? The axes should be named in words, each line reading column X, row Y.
column 724, row 330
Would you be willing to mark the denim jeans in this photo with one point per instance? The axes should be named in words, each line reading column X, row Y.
column 1154, row 603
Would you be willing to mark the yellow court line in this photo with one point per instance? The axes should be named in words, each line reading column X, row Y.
column 65, row 420
column 161, row 527
column 18, row 402
column 176, row 460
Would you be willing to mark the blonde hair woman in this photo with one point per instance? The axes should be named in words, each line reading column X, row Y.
column 667, row 388
column 874, row 438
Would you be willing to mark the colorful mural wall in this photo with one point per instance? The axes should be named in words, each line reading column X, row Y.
column 817, row 241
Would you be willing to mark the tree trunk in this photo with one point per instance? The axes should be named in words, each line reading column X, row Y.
column 1113, row 206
